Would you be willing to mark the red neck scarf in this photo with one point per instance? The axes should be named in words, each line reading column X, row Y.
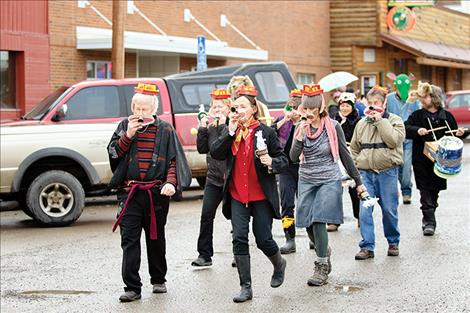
column 242, row 133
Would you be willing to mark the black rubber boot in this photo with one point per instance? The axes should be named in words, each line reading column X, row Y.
column 311, row 237
column 244, row 268
column 289, row 247
column 429, row 222
column 279, row 264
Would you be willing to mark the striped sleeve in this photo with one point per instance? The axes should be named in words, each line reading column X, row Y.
column 124, row 143
column 171, row 175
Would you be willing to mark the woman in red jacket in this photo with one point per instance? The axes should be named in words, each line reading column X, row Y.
column 253, row 157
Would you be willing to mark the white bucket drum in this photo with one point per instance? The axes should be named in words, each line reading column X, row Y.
column 448, row 157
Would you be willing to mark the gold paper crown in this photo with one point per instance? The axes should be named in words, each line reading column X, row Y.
column 147, row 89
column 247, row 91
column 220, row 94
column 295, row 93
column 312, row 90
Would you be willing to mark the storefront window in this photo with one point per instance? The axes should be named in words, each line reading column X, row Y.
column 7, row 80
column 98, row 70
column 305, row 78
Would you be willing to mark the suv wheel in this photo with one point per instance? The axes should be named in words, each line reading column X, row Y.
column 55, row 198
column 24, row 206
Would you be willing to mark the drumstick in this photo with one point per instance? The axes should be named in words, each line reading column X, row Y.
column 438, row 128
column 454, row 130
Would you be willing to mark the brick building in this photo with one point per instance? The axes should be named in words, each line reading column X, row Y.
column 24, row 56
column 78, row 37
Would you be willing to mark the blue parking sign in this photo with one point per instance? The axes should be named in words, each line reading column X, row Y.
column 201, row 53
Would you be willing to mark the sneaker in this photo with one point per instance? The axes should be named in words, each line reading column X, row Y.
column 130, row 296
column 393, row 250
column 200, row 261
column 320, row 275
column 406, row 199
column 364, row 255
column 428, row 230
column 332, row 227
column 159, row 288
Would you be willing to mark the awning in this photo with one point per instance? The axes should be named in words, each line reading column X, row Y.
column 431, row 53
column 91, row 38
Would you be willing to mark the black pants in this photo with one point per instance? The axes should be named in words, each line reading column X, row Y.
column 136, row 217
column 354, row 201
column 262, row 227
column 288, row 183
column 428, row 199
column 212, row 197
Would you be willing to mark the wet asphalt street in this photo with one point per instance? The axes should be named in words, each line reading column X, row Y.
column 77, row 268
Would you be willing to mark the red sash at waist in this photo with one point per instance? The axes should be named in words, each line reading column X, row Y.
column 141, row 185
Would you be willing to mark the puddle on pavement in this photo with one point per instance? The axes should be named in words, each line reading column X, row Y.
column 56, row 292
column 347, row 288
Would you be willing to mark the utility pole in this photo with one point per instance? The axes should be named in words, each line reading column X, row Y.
column 117, row 52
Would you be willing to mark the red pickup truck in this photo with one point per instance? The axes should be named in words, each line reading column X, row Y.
column 56, row 155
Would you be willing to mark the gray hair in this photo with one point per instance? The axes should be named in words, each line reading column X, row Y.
column 313, row 102
column 151, row 99
column 376, row 93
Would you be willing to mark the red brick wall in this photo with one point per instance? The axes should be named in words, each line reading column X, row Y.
column 26, row 34
column 295, row 32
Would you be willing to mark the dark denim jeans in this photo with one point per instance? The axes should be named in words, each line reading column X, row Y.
column 262, row 227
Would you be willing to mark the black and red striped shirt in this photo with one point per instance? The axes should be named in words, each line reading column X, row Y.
column 145, row 146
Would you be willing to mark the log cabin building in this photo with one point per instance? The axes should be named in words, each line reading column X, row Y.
column 436, row 49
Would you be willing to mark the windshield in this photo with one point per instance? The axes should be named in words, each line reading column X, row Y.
column 46, row 104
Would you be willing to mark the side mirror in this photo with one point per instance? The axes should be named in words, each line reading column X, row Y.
column 60, row 113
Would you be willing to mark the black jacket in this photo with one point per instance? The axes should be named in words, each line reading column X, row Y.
column 349, row 125
column 423, row 167
column 221, row 150
column 167, row 148
column 206, row 136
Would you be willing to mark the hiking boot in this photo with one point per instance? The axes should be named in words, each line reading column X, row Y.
column 393, row 250
column 289, row 247
column 364, row 255
column 200, row 261
column 244, row 274
column 429, row 230
column 406, row 199
column 320, row 275
column 159, row 288
column 130, row 296
column 279, row 264
column 332, row 227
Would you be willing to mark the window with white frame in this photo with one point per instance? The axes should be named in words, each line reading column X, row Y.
column 98, row 69
column 305, row 78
